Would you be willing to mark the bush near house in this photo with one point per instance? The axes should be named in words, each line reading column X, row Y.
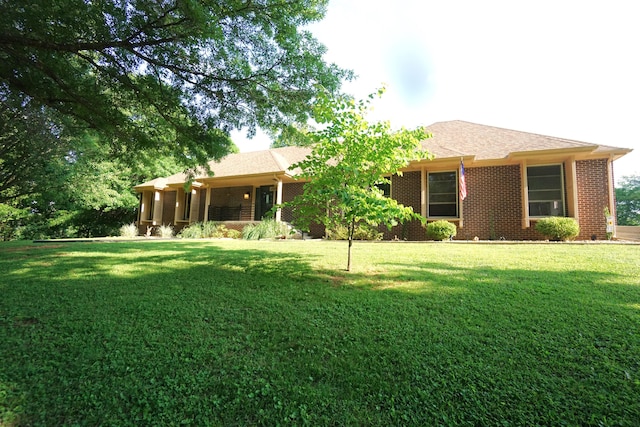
column 361, row 232
column 209, row 229
column 441, row 230
column 267, row 229
column 129, row 230
column 558, row 228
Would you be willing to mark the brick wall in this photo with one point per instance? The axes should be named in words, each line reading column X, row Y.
column 493, row 207
column 406, row 190
column 289, row 191
column 593, row 196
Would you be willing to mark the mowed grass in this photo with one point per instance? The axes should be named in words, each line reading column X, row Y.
column 276, row 333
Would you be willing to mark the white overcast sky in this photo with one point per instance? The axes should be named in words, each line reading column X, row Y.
column 563, row 68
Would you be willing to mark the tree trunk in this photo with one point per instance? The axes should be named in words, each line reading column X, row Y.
column 351, row 228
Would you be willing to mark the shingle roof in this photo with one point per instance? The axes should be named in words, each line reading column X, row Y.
column 277, row 160
column 460, row 138
column 449, row 140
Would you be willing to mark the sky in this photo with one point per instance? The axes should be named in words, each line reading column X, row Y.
column 563, row 68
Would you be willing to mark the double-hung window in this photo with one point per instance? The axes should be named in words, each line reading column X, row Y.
column 546, row 190
column 443, row 194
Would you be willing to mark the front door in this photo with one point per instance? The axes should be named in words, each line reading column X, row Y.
column 264, row 201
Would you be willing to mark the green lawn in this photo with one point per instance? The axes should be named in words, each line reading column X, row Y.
column 276, row 333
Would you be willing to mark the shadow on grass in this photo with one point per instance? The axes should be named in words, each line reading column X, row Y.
column 212, row 335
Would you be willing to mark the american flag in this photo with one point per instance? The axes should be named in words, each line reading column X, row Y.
column 463, row 182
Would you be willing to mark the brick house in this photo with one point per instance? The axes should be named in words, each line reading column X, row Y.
column 513, row 178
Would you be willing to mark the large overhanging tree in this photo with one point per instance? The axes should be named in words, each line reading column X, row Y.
column 349, row 159
column 175, row 74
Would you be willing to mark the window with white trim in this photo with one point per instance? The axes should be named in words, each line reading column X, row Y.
column 442, row 189
column 546, row 190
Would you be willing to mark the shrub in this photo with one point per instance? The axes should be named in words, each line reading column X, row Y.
column 129, row 230
column 362, row 232
column 193, row 231
column 558, row 228
column 165, row 231
column 233, row 234
column 210, row 229
column 267, row 229
column 202, row 230
column 441, row 230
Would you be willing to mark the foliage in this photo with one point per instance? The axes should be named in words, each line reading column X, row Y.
column 558, row 228
column 31, row 143
column 246, row 333
column 172, row 75
column 441, row 230
column 267, row 229
column 63, row 170
column 628, row 201
column 209, row 229
column 361, row 232
column 297, row 134
column 349, row 158
column 165, row 231
column 129, row 230
column 10, row 218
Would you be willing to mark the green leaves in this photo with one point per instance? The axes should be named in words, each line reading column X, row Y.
column 177, row 75
column 628, row 201
column 350, row 157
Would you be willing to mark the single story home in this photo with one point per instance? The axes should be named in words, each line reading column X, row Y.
column 512, row 179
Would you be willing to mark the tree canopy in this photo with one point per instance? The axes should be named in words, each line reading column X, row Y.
column 628, row 201
column 350, row 158
column 178, row 74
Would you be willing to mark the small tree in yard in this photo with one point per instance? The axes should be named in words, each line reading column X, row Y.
column 349, row 158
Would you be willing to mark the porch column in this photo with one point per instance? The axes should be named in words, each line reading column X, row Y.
column 157, row 207
column 206, row 204
column 279, row 201
column 423, row 192
column 195, row 205
column 571, row 181
column 524, row 188
column 612, row 192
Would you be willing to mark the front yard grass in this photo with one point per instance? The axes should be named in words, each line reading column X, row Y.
column 275, row 333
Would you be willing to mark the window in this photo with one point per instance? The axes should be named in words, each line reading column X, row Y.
column 443, row 194
column 386, row 188
column 546, row 190
column 186, row 206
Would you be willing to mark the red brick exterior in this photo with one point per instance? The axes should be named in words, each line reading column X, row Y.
column 406, row 190
column 289, row 191
column 492, row 210
column 493, row 207
column 593, row 196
